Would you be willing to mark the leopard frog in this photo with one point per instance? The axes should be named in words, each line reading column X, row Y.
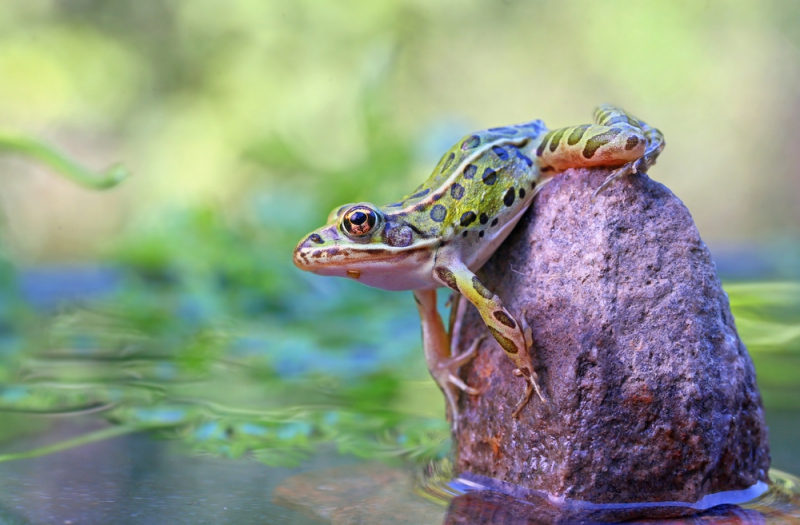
column 444, row 231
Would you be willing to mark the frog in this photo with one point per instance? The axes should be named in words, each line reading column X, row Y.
column 443, row 232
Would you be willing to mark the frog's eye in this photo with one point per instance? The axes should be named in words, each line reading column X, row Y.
column 337, row 212
column 360, row 220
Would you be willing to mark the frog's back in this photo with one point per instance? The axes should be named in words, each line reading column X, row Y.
column 470, row 187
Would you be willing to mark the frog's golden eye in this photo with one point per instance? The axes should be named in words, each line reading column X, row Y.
column 360, row 220
column 337, row 212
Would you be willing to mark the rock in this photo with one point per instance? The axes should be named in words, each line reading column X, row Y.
column 651, row 396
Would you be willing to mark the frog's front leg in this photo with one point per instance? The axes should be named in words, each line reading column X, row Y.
column 513, row 336
column 442, row 366
column 616, row 139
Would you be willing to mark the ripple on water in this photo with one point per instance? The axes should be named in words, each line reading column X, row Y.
column 477, row 499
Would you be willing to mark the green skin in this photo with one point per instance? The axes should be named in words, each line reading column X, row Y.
column 448, row 227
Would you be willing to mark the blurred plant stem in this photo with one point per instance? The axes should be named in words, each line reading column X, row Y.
column 14, row 143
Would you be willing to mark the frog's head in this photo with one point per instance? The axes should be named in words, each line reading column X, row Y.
column 362, row 242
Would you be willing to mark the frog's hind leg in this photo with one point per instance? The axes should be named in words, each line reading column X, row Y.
column 653, row 140
column 617, row 138
column 436, row 343
column 511, row 334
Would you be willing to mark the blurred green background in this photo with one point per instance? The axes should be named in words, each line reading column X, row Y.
column 245, row 122
column 321, row 102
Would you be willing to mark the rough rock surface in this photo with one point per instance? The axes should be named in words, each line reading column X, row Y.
column 651, row 394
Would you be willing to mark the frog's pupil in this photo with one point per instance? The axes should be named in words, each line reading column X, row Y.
column 358, row 218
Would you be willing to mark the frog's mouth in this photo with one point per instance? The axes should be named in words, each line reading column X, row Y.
column 382, row 267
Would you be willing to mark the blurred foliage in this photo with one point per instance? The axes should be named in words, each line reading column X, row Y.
column 211, row 338
column 61, row 164
column 327, row 102
column 246, row 122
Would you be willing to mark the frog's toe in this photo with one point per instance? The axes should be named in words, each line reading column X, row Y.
column 627, row 169
column 462, row 385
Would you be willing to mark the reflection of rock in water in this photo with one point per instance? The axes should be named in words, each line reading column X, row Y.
column 360, row 494
column 493, row 508
column 651, row 394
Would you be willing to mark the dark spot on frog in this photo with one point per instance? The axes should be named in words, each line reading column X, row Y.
column 508, row 198
column 399, row 237
column 315, row 238
column 420, row 193
column 598, row 141
column 545, row 169
column 468, row 218
column 484, row 218
column 394, row 205
column 332, row 251
column 533, row 185
column 438, row 213
column 525, row 158
column 504, row 318
column 632, row 142
column 317, row 254
column 437, row 196
column 419, row 207
column 480, row 234
column 470, row 142
column 489, row 176
column 501, row 153
column 447, row 277
column 556, row 140
column 448, row 161
column 457, row 191
column 465, row 233
column 577, row 134
column 376, row 251
column 522, row 193
column 543, row 144
column 481, row 288
column 494, row 222
column 507, row 344
column 470, row 170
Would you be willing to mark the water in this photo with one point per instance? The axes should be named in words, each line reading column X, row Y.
column 470, row 496
column 156, row 407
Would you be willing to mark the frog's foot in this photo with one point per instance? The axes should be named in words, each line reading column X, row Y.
column 446, row 372
column 531, row 387
column 531, row 379
column 627, row 169
column 655, row 145
column 446, row 376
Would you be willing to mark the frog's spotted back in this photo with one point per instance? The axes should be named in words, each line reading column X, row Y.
column 478, row 177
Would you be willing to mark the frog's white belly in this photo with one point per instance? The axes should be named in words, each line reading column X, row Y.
column 476, row 258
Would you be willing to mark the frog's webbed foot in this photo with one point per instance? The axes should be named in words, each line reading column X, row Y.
column 447, row 370
column 655, row 145
column 618, row 173
column 531, row 379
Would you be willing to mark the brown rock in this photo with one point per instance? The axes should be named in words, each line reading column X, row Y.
column 651, row 395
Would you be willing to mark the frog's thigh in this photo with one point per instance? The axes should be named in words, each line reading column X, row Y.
column 616, row 138
column 502, row 325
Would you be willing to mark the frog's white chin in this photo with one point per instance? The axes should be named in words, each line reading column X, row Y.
column 392, row 276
